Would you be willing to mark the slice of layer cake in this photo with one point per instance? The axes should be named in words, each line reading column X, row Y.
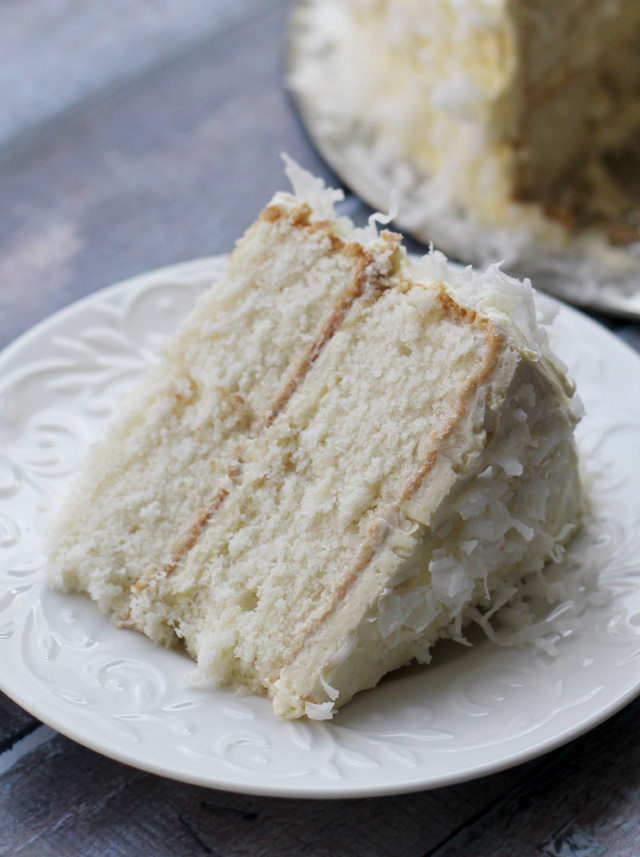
column 342, row 454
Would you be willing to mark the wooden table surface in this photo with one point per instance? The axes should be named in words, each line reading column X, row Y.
column 134, row 134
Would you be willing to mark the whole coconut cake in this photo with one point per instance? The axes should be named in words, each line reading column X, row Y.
column 510, row 129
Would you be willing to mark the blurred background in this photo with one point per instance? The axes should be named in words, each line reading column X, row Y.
column 133, row 134
column 137, row 133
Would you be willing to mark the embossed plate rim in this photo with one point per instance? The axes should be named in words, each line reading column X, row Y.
column 351, row 745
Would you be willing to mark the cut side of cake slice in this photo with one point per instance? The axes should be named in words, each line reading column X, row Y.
column 171, row 456
column 409, row 458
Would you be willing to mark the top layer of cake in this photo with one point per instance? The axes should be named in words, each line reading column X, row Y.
column 342, row 453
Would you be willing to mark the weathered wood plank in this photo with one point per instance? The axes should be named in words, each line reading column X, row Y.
column 64, row 799
column 581, row 801
column 172, row 166
column 56, row 54
column 14, row 723
column 586, row 805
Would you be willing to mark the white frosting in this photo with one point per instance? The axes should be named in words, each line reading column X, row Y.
column 312, row 190
column 322, row 200
column 319, row 710
column 487, row 524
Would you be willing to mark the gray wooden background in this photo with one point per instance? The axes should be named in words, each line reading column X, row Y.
column 137, row 133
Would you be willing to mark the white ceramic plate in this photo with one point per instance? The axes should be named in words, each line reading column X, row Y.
column 473, row 711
